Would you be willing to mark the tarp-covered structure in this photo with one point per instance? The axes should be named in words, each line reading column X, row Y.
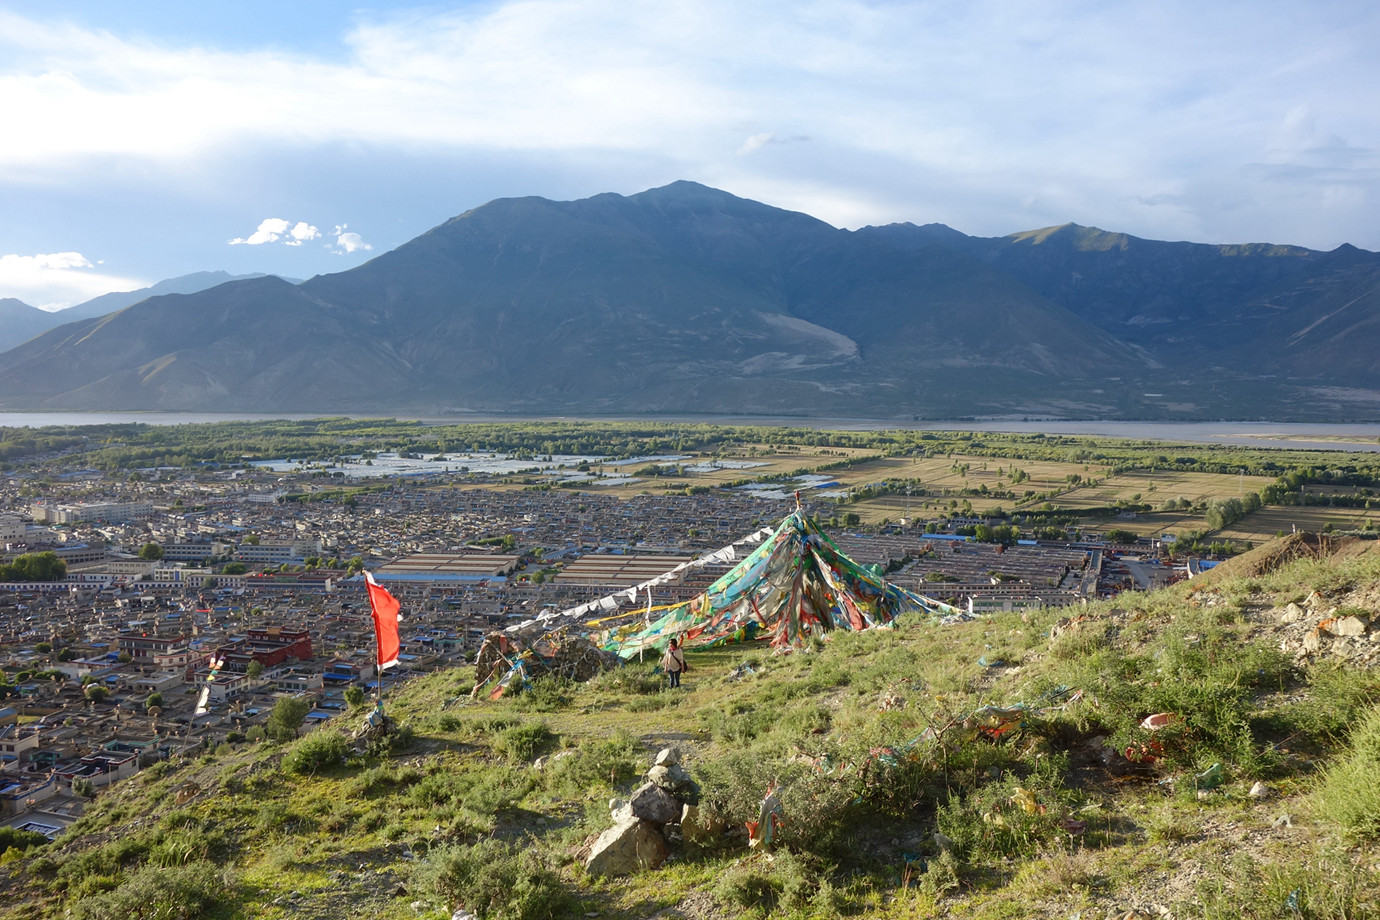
column 797, row 584
column 511, row 662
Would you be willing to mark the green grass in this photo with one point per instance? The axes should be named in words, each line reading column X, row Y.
column 876, row 740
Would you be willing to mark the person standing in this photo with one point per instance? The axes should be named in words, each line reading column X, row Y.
column 673, row 663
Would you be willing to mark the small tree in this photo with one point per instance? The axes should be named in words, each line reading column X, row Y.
column 151, row 552
column 354, row 696
column 255, row 669
column 96, row 693
column 155, row 699
column 286, row 718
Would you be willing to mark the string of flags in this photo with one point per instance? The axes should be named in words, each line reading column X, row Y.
column 613, row 601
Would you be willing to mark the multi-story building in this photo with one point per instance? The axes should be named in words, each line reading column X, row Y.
column 270, row 647
column 292, row 552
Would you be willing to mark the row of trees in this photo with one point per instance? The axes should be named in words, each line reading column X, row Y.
column 44, row 566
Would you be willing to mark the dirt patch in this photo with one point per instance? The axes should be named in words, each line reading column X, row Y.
column 1278, row 553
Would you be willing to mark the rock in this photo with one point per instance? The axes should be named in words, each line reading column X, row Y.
column 620, row 811
column 1313, row 641
column 462, row 914
column 1260, row 791
column 655, row 805
column 1283, row 821
column 1348, row 626
column 674, row 779
column 1293, row 613
column 945, row 844
column 1204, row 794
column 668, row 756
column 626, row 848
column 701, row 827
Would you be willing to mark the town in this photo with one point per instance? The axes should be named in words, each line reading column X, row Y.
column 191, row 602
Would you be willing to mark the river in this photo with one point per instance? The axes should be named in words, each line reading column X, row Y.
column 1296, row 435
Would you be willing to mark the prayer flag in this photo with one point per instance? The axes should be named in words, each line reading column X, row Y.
column 384, row 608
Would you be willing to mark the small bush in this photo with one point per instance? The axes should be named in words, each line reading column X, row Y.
column 10, row 838
column 655, row 703
column 1013, row 817
column 740, row 721
column 748, row 886
column 155, row 893
column 383, row 779
column 637, row 678
column 1350, row 795
column 548, row 693
column 522, row 743
column 320, row 750
column 496, row 881
column 595, row 763
column 818, row 808
column 484, row 792
column 1316, row 887
column 181, row 847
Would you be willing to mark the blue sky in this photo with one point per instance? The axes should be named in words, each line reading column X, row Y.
column 144, row 140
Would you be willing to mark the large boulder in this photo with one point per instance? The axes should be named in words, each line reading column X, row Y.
column 655, row 805
column 627, row 847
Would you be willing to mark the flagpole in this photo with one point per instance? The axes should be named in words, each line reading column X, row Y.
column 385, row 611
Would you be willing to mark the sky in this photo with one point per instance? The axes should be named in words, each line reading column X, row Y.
column 145, row 140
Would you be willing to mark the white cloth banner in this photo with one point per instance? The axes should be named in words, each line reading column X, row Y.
column 726, row 554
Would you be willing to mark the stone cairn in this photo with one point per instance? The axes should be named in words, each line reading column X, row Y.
column 668, row 801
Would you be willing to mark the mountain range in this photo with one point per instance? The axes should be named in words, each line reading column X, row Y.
column 20, row 322
column 689, row 300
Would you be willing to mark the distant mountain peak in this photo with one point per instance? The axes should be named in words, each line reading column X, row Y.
column 1075, row 236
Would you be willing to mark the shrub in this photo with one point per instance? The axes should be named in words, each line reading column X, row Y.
column 318, row 751
column 638, row 678
column 1013, row 817
column 383, row 779
column 1350, row 796
column 155, row 893
column 354, row 696
column 485, row 791
column 522, row 742
column 818, row 807
column 1324, row 886
column 595, row 763
column 548, row 693
column 19, row 840
column 496, row 881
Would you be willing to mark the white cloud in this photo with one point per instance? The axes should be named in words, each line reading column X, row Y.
column 941, row 110
column 54, row 280
column 301, row 232
column 270, row 230
column 274, row 229
column 347, row 241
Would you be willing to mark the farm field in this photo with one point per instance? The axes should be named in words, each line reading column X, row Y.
column 1264, row 524
column 1160, row 486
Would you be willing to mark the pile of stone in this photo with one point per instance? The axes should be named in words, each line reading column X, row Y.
column 667, row 804
column 1316, row 629
column 568, row 655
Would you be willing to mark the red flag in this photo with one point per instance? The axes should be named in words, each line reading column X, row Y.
column 384, row 607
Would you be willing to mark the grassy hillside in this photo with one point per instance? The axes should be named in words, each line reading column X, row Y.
column 880, row 741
